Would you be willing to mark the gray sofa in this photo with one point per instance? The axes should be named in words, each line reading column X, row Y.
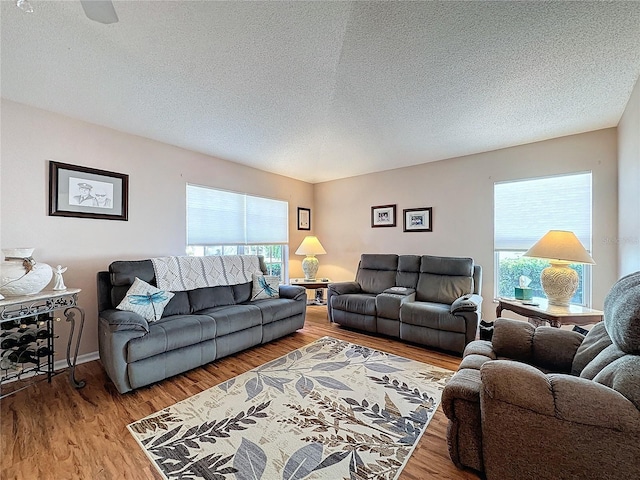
column 196, row 327
column 429, row 300
column 550, row 404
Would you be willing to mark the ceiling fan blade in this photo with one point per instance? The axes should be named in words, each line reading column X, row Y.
column 100, row 10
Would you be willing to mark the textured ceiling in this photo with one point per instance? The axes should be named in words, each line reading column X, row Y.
column 326, row 90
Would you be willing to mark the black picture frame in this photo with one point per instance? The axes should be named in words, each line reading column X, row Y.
column 383, row 216
column 304, row 218
column 418, row 219
column 83, row 192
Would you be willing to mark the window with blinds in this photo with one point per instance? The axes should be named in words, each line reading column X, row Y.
column 524, row 211
column 220, row 222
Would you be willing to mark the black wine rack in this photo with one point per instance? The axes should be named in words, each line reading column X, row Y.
column 27, row 348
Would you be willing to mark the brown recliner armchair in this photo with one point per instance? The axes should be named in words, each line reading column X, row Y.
column 551, row 404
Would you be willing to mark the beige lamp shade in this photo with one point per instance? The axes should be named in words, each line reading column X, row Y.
column 561, row 248
column 560, row 245
column 310, row 247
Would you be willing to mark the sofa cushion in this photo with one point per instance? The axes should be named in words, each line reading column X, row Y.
column 602, row 360
column 408, row 271
column 444, row 279
column 178, row 305
column 362, row 303
column 209, row 297
column 241, row 292
column 622, row 313
column 234, row 318
column 274, row 309
column 264, row 286
column 124, row 272
column 622, row 376
column 431, row 315
column 377, row 272
column 596, row 340
column 170, row 333
column 145, row 300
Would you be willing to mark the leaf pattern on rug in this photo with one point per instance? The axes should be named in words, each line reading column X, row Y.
column 159, row 422
column 172, row 452
column 329, row 410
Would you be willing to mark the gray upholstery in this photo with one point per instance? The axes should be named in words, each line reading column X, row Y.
column 440, row 309
column 549, row 404
column 197, row 326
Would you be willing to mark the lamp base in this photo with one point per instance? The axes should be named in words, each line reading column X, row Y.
column 310, row 267
column 559, row 283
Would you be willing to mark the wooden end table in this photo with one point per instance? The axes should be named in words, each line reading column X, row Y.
column 554, row 314
column 318, row 285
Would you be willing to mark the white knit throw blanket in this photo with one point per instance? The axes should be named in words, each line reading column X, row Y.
column 178, row 274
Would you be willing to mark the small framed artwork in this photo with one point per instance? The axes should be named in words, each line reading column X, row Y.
column 304, row 218
column 418, row 219
column 84, row 192
column 383, row 216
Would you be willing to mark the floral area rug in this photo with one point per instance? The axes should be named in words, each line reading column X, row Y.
column 329, row 410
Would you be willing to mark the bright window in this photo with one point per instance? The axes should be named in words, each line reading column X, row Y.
column 229, row 223
column 524, row 211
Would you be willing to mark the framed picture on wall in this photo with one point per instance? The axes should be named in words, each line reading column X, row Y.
column 304, row 218
column 84, row 192
column 418, row 219
column 383, row 216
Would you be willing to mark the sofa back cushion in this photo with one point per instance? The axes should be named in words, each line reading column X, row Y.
column 596, row 340
column 209, row 297
column 408, row 271
column 443, row 279
column 123, row 273
column 377, row 272
column 178, row 305
column 242, row 292
column 622, row 376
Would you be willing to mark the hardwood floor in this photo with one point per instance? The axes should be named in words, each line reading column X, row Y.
column 52, row 431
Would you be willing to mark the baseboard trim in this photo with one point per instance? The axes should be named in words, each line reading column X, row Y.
column 84, row 358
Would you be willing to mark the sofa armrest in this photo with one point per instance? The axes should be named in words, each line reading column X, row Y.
column 564, row 397
column 548, row 427
column 120, row 320
column 545, row 347
column 293, row 292
column 343, row 288
column 466, row 303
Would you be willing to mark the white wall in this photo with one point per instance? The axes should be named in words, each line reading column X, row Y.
column 157, row 173
column 628, row 239
column 460, row 190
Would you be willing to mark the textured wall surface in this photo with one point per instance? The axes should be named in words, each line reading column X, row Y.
column 460, row 190
column 628, row 239
column 158, row 174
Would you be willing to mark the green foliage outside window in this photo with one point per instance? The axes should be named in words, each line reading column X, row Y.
column 510, row 270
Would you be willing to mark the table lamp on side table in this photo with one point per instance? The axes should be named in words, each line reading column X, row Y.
column 310, row 247
column 561, row 248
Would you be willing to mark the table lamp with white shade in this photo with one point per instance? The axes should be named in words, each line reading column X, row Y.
column 310, row 247
column 561, row 248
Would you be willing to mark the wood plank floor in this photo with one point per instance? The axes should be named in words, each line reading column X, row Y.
column 52, row 431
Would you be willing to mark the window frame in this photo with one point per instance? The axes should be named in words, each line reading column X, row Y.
column 586, row 277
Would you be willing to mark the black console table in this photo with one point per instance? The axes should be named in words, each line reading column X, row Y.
column 17, row 315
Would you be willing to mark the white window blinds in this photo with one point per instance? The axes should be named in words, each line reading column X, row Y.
column 218, row 217
column 525, row 210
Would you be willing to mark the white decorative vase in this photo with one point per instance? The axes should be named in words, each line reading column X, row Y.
column 20, row 274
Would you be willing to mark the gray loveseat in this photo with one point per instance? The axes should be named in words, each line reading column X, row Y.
column 196, row 327
column 429, row 300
